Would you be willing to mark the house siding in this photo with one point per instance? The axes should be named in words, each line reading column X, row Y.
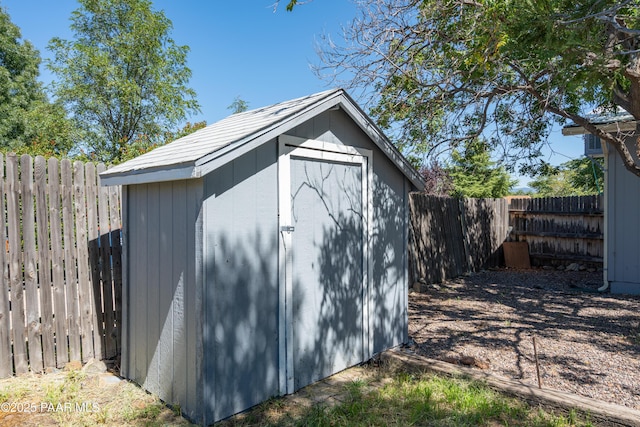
column 161, row 343
column 623, row 228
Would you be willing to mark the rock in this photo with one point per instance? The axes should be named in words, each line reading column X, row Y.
column 94, row 366
column 591, row 270
column 472, row 361
column 109, row 379
column 572, row 267
column 547, row 267
column 74, row 365
column 560, row 267
column 582, row 267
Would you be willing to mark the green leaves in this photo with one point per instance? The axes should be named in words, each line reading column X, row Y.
column 576, row 177
column 446, row 72
column 122, row 76
column 475, row 175
column 28, row 122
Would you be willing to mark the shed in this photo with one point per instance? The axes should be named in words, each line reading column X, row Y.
column 621, row 264
column 263, row 253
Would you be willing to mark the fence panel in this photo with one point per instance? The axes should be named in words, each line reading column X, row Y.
column 61, row 269
column 450, row 237
column 560, row 230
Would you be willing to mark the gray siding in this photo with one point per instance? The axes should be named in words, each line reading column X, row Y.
column 163, row 322
column 623, row 232
column 390, row 222
column 241, row 283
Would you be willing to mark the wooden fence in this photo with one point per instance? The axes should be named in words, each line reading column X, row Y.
column 450, row 237
column 60, row 288
column 559, row 230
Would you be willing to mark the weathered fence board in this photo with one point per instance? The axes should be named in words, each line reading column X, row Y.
column 44, row 262
column 19, row 344
column 29, row 258
column 559, row 230
column 93, row 234
column 450, row 237
column 85, row 299
column 5, row 325
column 60, row 290
column 57, row 267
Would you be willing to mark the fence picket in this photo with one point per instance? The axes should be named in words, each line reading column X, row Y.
column 20, row 361
column 57, row 263
column 70, row 270
column 82, row 251
column 116, row 248
column 5, row 313
column 105, row 264
column 93, row 235
column 44, row 262
column 30, row 272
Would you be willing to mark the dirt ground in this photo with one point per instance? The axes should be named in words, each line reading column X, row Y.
column 587, row 342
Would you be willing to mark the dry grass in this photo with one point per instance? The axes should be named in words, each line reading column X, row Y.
column 74, row 399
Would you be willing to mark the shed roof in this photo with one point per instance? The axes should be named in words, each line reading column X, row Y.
column 203, row 151
column 608, row 121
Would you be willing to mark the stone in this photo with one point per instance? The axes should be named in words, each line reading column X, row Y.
column 108, row 379
column 547, row 267
column 94, row 366
column 560, row 268
column 572, row 267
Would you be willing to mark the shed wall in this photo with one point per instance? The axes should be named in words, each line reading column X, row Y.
column 623, row 232
column 162, row 345
column 390, row 191
column 241, row 283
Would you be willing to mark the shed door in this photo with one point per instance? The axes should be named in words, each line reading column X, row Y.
column 324, row 233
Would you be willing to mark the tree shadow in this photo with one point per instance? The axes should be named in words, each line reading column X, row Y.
column 498, row 313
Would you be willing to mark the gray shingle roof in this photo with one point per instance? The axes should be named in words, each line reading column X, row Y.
column 191, row 156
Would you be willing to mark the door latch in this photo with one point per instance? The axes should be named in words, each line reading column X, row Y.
column 287, row 228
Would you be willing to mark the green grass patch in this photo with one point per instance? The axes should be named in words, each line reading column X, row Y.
column 410, row 400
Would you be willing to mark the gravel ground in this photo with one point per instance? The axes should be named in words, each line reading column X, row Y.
column 587, row 343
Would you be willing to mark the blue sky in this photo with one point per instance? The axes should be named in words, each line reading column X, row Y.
column 238, row 49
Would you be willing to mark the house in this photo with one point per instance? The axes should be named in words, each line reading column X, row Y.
column 621, row 203
column 263, row 253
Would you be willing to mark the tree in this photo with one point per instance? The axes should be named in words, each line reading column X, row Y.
column 437, row 180
column 440, row 72
column 290, row 5
column 28, row 122
column 474, row 174
column 238, row 105
column 123, row 77
column 576, row 177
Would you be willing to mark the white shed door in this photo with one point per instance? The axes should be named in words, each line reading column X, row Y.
column 326, row 263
